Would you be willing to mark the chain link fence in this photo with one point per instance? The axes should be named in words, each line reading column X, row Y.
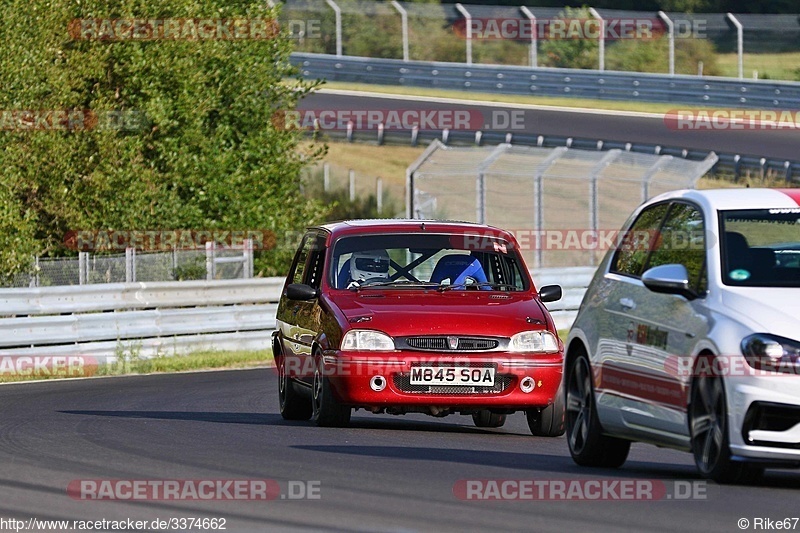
column 133, row 266
column 562, row 204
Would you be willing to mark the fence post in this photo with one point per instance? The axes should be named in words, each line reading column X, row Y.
column 468, row 19
column 210, row 263
column 326, row 177
column 352, row 185
column 404, row 24
column 534, row 58
column 247, row 259
column 602, row 39
column 379, row 194
column 671, row 40
column 130, row 265
column 83, row 268
column 338, row 14
column 739, row 43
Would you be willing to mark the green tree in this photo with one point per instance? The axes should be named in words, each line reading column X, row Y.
column 202, row 152
column 571, row 53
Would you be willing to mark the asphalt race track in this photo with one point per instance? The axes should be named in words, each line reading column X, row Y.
column 383, row 474
column 608, row 126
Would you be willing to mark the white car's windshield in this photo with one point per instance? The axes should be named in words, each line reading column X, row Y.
column 761, row 247
column 414, row 260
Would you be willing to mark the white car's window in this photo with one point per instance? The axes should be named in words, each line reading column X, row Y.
column 681, row 240
column 760, row 247
column 635, row 245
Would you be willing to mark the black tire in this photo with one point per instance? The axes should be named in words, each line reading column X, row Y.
column 548, row 421
column 326, row 410
column 293, row 405
column 487, row 419
column 708, row 427
column 587, row 444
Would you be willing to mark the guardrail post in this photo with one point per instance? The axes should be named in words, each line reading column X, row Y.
column 404, row 23
column 739, row 42
column 602, row 39
column 671, row 39
column 338, row 14
column 461, row 9
column 130, row 265
column 534, row 37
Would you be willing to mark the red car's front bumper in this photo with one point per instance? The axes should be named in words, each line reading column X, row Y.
column 351, row 373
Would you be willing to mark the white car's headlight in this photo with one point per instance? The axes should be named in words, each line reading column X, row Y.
column 770, row 352
column 534, row 341
column 367, row 340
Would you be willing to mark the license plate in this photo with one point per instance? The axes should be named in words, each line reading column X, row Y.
column 452, row 375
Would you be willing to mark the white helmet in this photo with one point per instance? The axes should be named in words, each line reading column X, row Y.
column 367, row 265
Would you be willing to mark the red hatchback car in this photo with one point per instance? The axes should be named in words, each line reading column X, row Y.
column 416, row 316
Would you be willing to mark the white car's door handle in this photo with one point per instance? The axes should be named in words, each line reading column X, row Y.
column 627, row 303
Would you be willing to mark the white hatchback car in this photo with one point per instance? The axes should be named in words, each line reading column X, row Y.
column 689, row 336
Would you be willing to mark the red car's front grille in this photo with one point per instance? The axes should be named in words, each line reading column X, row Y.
column 443, row 343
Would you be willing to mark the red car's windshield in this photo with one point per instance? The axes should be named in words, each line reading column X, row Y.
column 419, row 260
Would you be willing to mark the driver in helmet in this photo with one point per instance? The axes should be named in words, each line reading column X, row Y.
column 371, row 265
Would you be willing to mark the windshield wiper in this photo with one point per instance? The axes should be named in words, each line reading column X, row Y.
column 489, row 284
column 355, row 286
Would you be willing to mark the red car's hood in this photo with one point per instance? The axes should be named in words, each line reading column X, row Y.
column 402, row 313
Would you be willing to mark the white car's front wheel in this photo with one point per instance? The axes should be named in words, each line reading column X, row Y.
column 708, row 424
column 587, row 444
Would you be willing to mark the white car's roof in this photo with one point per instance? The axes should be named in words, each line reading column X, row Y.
column 724, row 199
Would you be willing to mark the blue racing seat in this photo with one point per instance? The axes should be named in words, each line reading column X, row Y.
column 458, row 267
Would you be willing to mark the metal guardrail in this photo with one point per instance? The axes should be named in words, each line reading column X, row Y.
column 573, row 281
column 145, row 318
column 176, row 317
column 603, row 85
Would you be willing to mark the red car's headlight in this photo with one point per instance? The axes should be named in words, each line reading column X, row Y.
column 534, row 342
column 367, row 340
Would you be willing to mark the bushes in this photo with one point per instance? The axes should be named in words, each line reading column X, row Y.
column 653, row 56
